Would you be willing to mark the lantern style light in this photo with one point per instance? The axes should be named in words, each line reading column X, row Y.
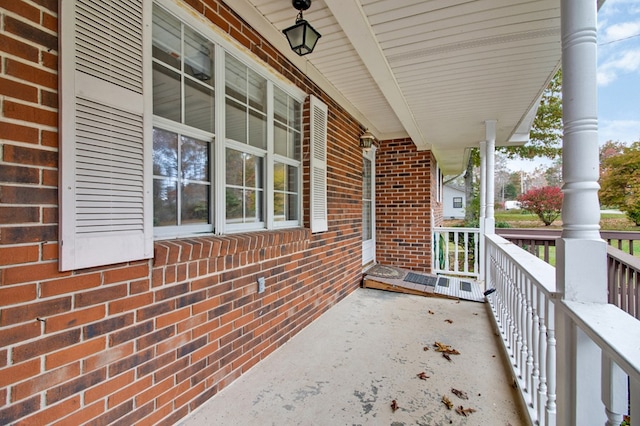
column 366, row 141
column 302, row 36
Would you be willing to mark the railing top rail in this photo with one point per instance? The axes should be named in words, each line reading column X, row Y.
column 616, row 332
column 627, row 259
column 546, row 233
column 537, row 270
column 455, row 229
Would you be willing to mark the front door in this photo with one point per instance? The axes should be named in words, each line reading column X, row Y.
column 368, row 207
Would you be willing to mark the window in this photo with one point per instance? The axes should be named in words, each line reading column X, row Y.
column 457, row 202
column 257, row 126
column 150, row 128
column 183, row 108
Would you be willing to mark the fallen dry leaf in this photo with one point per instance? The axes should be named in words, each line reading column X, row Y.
column 475, row 313
column 441, row 347
column 449, row 321
column 394, row 405
column 445, row 355
column 431, row 312
column 460, row 394
column 423, row 376
column 426, row 348
column 464, row 411
column 446, row 401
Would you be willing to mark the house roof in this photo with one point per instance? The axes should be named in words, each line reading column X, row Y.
column 432, row 70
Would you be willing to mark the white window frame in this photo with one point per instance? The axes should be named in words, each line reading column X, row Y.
column 226, row 46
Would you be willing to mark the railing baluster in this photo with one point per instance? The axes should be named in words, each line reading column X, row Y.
column 529, row 340
column 550, row 411
column 542, row 355
column 634, row 398
column 636, row 295
column 614, row 391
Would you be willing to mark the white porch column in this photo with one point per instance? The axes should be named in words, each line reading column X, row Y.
column 483, row 207
column 490, row 221
column 483, row 182
column 580, row 253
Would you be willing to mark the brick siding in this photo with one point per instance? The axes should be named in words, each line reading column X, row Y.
column 405, row 195
column 147, row 342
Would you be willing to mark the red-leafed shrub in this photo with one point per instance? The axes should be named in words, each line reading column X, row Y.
column 545, row 202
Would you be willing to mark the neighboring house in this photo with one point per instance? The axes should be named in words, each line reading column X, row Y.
column 160, row 159
column 454, row 202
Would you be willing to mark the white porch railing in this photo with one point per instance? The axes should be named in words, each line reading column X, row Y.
column 525, row 305
column 456, row 251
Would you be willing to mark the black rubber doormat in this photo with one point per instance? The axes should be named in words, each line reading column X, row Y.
column 412, row 277
column 443, row 282
column 465, row 286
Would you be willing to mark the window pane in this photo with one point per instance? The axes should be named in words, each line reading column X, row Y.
column 235, row 78
column 257, row 130
column 253, row 171
column 165, row 153
column 297, row 145
column 292, row 207
column 253, row 206
column 165, row 210
column 280, row 139
column 257, row 91
column 366, row 221
column 166, row 93
column 279, row 207
column 279, row 177
column 198, row 105
column 236, row 121
column 293, row 144
column 234, row 167
column 166, row 38
column 294, row 114
column 198, row 56
column 366, row 179
column 280, row 105
column 195, row 203
column 234, row 205
column 195, row 159
column 292, row 179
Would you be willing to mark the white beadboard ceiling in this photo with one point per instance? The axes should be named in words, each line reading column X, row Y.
column 433, row 70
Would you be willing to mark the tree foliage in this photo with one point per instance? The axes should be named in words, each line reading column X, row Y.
column 620, row 181
column 546, row 132
column 546, row 203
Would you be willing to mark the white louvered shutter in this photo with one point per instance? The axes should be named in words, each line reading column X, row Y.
column 319, row 221
column 105, row 190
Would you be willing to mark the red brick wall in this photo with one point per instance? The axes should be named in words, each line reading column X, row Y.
column 404, row 191
column 146, row 342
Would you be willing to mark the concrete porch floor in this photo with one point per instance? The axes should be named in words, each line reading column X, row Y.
column 348, row 366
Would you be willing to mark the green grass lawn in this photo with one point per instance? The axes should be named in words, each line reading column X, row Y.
column 608, row 222
column 522, row 219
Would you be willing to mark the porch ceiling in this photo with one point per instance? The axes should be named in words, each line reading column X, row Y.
column 433, row 70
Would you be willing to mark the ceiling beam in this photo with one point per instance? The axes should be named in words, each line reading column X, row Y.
column 353, row 21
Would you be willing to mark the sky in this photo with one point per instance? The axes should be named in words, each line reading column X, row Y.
column 618, row 76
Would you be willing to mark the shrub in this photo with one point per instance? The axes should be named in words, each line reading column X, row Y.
column 546, row 203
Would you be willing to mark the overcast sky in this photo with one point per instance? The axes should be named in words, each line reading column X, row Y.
column 619, row 71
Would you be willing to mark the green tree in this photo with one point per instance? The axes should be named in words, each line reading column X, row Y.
column 545, row 138
column 546, row 203
column 620, row 182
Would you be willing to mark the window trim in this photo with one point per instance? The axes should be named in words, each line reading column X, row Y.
column 223, row 47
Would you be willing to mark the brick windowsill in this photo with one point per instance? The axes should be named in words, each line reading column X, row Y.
column 189, row 249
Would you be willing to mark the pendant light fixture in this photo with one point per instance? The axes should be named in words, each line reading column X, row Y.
column 302, row 36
